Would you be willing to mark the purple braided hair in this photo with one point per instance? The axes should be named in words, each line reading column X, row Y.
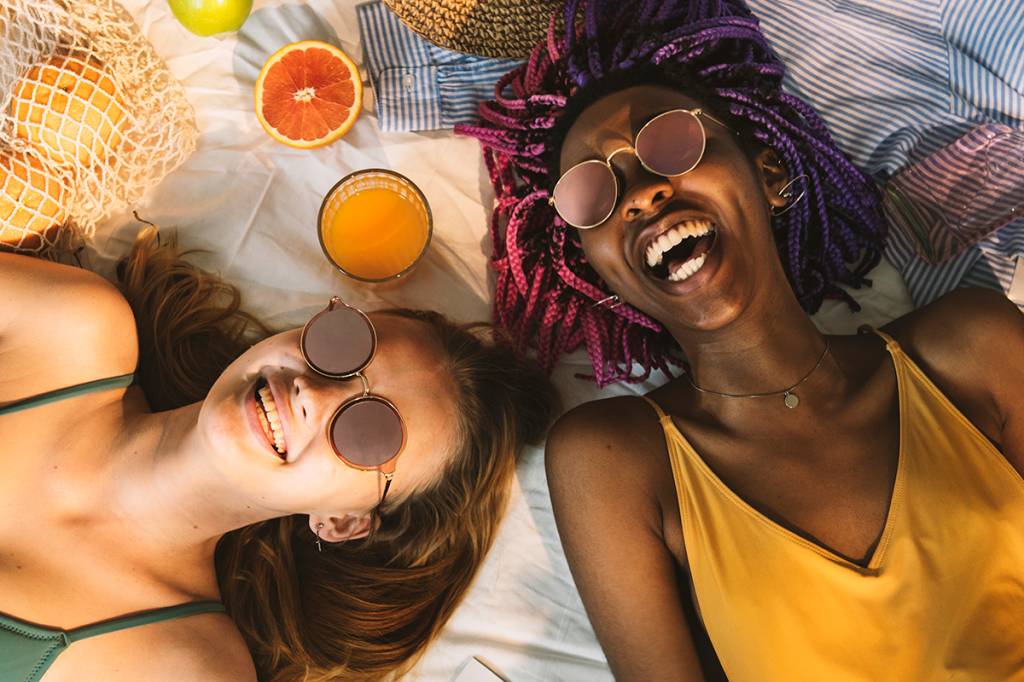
column 546, row 292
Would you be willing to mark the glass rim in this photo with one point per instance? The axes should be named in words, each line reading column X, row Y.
column 369, row 171
column 695, row 115
column 615, row 180
column 355, row 400
column 346, row 375
column 692, row 113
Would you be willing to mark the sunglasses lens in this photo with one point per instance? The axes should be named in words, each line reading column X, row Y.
column 586, row 194
column 368, row 433
column 671, row 144
column 338, row 342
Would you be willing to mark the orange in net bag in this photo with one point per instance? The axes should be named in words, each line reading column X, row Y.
column 87, row 104
column 69, row 109
column 31, row 203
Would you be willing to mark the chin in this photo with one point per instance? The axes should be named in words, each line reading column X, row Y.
column 701, row 313
column 718, row 300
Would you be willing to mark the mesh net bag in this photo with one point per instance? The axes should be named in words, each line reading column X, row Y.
column 90, row 119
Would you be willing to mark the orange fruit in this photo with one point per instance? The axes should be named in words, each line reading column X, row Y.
column 31, row 203
column 69, row 109
column 308, row 94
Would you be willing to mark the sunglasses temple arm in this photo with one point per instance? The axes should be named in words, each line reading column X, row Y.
column 387, row 486
column 709, row 116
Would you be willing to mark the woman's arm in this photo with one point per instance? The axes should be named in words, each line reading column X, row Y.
column 59, row 325
column 610, row 524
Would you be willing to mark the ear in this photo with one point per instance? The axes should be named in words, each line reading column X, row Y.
column 774, row 175
column 342, row 528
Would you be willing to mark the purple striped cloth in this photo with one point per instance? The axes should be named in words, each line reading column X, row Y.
column 960, row 194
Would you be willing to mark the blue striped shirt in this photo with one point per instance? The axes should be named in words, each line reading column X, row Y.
column 417, row 85
column 898, row 79
column 894, row 79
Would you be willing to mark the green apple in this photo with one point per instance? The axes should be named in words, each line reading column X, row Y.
column 207, row 17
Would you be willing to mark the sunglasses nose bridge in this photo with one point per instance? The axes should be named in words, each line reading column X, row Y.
column 621, row 150
column 366, row 383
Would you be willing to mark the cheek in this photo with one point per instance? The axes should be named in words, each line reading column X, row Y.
column 323, row 483
column 603, row 249
column 222, row 413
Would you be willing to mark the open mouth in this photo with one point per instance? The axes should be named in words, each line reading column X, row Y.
column 680, row 251
column 269, row 420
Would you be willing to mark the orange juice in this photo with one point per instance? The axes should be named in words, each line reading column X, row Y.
column 374, row 225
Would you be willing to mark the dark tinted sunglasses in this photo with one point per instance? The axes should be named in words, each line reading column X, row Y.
column 367, row 432
column 670, row 144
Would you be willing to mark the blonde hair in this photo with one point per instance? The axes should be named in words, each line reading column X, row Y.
column 363, row 609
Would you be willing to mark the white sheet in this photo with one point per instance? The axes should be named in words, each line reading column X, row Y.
column 252, row 203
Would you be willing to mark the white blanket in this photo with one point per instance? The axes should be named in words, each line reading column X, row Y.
column 252, row 204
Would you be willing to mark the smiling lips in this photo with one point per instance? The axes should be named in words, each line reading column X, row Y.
column 680, row 250
column 269, row 419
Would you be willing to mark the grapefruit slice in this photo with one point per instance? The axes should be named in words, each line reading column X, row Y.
column 308, row 94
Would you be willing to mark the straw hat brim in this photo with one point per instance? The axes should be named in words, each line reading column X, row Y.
column 491, row 28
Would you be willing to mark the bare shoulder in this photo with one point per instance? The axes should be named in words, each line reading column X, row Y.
column 976, row 333
column 609, row 450
column 32, row 285
column 969, row 343
column 78, row 321
column 963, row 320
column 600, row 437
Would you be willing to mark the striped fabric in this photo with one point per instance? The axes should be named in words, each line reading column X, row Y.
column 418, row 86
column 896, row 80
column 962, row 193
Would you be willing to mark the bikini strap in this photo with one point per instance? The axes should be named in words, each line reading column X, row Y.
column 68, row 392
column 891, row 344
column 145, row 618
column 662, row 417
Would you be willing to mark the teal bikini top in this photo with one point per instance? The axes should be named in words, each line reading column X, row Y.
column 65, row 394
column 28, row 650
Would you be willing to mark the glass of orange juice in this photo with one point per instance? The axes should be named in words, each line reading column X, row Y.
column 375, row 225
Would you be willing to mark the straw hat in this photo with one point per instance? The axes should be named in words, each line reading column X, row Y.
column 492, row 28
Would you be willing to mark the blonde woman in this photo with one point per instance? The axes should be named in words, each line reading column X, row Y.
column 312, row 507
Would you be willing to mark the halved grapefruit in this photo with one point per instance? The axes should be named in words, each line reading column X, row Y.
column 308, row 94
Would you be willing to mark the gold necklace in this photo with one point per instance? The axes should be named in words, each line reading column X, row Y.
column 789, row 398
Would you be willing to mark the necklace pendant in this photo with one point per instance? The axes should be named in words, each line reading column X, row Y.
column 791, row 400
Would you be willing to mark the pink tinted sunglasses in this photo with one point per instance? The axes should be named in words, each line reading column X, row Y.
column 670, row 144
column 367, row 431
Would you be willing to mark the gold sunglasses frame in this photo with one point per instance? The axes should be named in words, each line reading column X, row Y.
column 607, row 162
column 387, row 469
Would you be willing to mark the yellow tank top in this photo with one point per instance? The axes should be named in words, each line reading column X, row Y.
column 941, row 598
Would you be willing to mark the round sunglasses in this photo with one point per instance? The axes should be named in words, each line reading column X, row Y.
column 367, row 431
column 670, row 144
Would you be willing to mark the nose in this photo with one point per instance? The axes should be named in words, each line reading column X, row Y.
column 317, row 395
column 646, row 194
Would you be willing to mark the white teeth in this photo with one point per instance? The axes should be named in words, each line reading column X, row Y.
column 687, row 269
column 673, row 236
column 272, row 419
column 653, row 256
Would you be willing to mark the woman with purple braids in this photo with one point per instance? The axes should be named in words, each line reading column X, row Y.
column 815, row 507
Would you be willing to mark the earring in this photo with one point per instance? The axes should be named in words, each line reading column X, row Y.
column 613, row 297
column 319, row 547
column 786, row 193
